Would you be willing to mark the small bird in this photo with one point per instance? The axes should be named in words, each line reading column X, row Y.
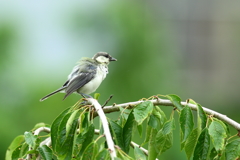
column 86, row 76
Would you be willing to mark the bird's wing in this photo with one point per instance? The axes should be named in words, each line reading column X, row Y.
column 85, row 74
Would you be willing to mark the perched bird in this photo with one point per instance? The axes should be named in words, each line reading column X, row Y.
column 86, row 76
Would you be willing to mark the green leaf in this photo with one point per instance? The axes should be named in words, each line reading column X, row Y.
column 203, row 145
column 103, row 155
column 139, row 155
column 148, row 134
column 142, row 111
column 30, row 139
column 213, row 154
column 118, row 133
column 70, row 121
column 152, row 152
column 201, row 116
column 218, row 134
column 191, row 143
column 96, row 96
column 45, row 152
column 160, row 115
column 15, row 154
column 67, row 147
column 54, row 128
column 90, row 151
column 62, row 135
column 15, row 144
column 127, row 132
column 163, row 142
column 140, row 128
column 38, row 125
column 164, row 137
column 123, row 135
column 153, row 121
column 20, row 151
column 233, row 150
column 175, row 100
column 168, row 126
column 88, row 138
column 186, row 122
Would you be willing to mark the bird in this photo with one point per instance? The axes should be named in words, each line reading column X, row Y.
column 86, row 76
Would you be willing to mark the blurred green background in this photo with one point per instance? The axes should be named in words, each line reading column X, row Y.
column 186, row 48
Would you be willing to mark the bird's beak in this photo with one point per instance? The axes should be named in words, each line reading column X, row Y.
column 113, row 59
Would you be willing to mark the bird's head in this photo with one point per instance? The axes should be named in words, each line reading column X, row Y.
column 103, row 57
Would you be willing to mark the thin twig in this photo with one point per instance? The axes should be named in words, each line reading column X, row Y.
column 107, row 101
column 37, row 132
column 165, row 102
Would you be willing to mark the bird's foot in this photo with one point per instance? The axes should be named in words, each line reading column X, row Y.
column 85, row 95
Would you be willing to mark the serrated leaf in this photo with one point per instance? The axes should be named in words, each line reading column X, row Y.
column 69, row 142
column 164, row 137
column 142, row 111
column 153, row 121
column 139, row 155
column 218, row 135
column 15, row 143
column 175, row 100
column 201, row 116
column 45, row 152
column 30, row 139
column 61, row 135
column 191, row 143
column 71, row 120
column 90, row 151
column 223, row 124
column 232, row 150
column 127, row 132
column 163, row 142
column 213, row 154
column 20, row 151
column 87, row 140
column 203, row 145
column 148, row 134
column 15, row 154
column 152, row 152
column 168, row 126
column 54, row 128
column 124, row 115
column 160, row 115
column 186, row 122
column 140, row 128
column 103, row 155
column 123, row 135
column 118, row 133
column 217, row 131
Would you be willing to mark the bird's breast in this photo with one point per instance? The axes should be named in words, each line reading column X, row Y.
column 92, row 85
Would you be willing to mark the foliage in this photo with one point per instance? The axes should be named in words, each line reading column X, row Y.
column 74, row 136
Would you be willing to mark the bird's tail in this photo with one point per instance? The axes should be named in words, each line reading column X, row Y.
column 50, row 94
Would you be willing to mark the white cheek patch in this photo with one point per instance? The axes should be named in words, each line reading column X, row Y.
column 102, row 59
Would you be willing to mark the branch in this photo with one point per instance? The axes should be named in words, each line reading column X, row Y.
column 133, row 144
column 47, row 141
column 41, row 129
column 107, row 133
column 165, row 102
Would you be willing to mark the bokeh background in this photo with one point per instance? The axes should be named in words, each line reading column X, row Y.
column 185, row 47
